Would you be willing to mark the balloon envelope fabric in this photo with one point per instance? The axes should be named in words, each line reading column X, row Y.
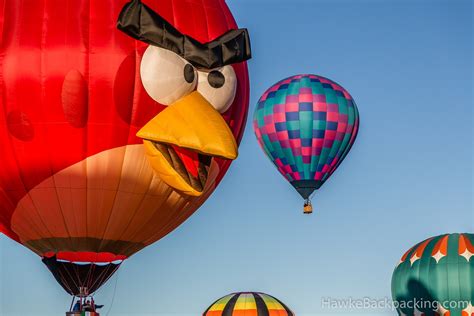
column 438, row 272
column 248, row 304
column 306, row 125
column 77, row 184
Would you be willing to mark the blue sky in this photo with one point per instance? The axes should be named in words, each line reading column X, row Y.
column 408, row 64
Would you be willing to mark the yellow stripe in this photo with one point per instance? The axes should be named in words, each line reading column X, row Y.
column 221, row 303
column 245, row 302
column 271, row 302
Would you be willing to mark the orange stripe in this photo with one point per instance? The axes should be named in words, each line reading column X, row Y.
column 406, row 254
column 245, row 312
column 421, row 248
column 465, row 244
column 277, row 312
column 441, row 246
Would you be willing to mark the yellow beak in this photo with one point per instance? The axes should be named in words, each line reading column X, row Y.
column 191, row 123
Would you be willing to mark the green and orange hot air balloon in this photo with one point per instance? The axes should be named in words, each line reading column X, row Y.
column 436, row 277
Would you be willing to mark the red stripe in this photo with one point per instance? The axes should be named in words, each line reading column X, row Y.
column 98, row 257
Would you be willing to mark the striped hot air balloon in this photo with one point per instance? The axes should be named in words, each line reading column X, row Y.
column 436, row 277
column 306, row 125
column 248, row 304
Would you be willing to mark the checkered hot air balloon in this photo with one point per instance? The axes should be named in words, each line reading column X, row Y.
column 306, row 125
column 248, row 304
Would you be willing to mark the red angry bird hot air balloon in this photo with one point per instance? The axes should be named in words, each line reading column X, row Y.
column 118, row 121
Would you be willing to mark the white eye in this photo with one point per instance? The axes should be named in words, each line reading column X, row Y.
column 218, row 86
column 166, row 76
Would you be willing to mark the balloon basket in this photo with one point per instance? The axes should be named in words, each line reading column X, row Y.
column 82, row 314
column 308, row 208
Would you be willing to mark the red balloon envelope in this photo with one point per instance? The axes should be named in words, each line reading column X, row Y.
column 77, row 185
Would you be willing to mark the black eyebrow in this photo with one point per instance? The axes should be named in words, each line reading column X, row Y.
column 142, row 23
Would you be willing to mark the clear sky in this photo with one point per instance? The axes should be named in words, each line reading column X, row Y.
column 409, row 176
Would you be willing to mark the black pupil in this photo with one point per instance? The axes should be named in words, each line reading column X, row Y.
column 189, row 73
column 216, row 79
